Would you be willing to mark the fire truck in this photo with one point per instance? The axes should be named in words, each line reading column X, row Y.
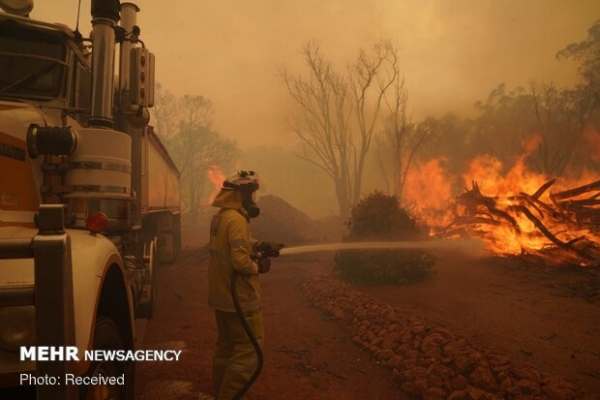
column 89, row 196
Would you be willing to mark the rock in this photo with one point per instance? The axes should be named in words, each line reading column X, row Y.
column 499, row 361
column 385, row 355
column 446, row 360
column 418, row 328
column 527, row 386
column 409, row 387
column 508, row 386
column 432, row 352
column 483, row 377
column 527, row 372
column 459, row 382
column 464, row 363
column 559, row 390
column 421, row 386
column 451, row 349
column 502, row 375
column 416, row 343
column 435, row 381
column 435, row 393
column 425, row 361
column 412, row 354
column 474, row 393
column 389, row 340
column 397, row 362
column 403, row 349
column 407, row 337
column 432, row 342
column 459, row 395
column 419, row 373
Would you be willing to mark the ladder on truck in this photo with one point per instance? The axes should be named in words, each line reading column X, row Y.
column 52, row 293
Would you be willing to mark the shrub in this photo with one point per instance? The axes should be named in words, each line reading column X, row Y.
column 378, row 216
column 383, row 266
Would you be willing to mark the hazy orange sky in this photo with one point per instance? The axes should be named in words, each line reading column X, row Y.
column 453, row 51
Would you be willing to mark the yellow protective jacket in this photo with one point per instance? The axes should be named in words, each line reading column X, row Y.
column 230, row 249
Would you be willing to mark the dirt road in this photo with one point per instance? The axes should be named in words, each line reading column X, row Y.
column 307, row 356
column 523, row 313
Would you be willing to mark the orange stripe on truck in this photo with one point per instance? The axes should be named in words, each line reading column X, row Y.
column 17, row 186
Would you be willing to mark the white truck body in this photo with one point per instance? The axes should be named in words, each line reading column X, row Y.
column 113, row 180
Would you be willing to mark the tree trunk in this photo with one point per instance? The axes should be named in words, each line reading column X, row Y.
column 341, row 192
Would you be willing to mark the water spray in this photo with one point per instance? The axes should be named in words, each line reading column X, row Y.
column 472, row 247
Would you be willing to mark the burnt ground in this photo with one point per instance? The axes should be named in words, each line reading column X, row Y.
column 531, row 314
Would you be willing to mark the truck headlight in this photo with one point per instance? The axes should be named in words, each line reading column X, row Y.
column 17, row 327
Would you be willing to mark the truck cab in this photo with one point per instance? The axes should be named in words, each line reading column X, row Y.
column 79, row 167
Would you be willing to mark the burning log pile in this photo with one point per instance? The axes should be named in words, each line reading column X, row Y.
column 430, row 362
column 559, row 227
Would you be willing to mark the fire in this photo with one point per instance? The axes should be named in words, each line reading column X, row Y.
column 216, row 178
column 427, row 192
column 515, row 210
column 487, row 172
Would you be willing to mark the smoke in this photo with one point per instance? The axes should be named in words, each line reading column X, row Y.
column 470, row 247
column 453, row 52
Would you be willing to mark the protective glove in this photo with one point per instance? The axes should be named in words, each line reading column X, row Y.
column 268, row 249
column 264, row 265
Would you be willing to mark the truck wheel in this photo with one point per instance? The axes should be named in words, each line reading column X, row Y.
column 149, row 291
column 108, row 337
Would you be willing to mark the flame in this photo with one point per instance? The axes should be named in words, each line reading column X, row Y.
column 487, row 170
column 216, row 177
column 514, row 210
column 427, row 192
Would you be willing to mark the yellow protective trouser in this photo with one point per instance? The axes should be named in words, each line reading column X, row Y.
column 234, row 361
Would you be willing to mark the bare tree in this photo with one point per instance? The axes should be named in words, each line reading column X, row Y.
column 338, row 113
column 400, row 139
column 372, row 73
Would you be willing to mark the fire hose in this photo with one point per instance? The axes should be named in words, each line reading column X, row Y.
column 263, row 250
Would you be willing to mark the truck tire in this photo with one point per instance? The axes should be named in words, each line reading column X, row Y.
column 145, row 308
column 108, row 337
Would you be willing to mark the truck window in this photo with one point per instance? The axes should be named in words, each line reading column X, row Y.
column 32, row 62
column 80, row 92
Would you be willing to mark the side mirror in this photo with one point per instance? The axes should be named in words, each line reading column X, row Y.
column 142, row 77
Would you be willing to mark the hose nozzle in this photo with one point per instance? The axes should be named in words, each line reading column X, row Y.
column 268, row 249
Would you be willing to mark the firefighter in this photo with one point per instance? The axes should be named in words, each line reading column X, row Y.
column 231, row 252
